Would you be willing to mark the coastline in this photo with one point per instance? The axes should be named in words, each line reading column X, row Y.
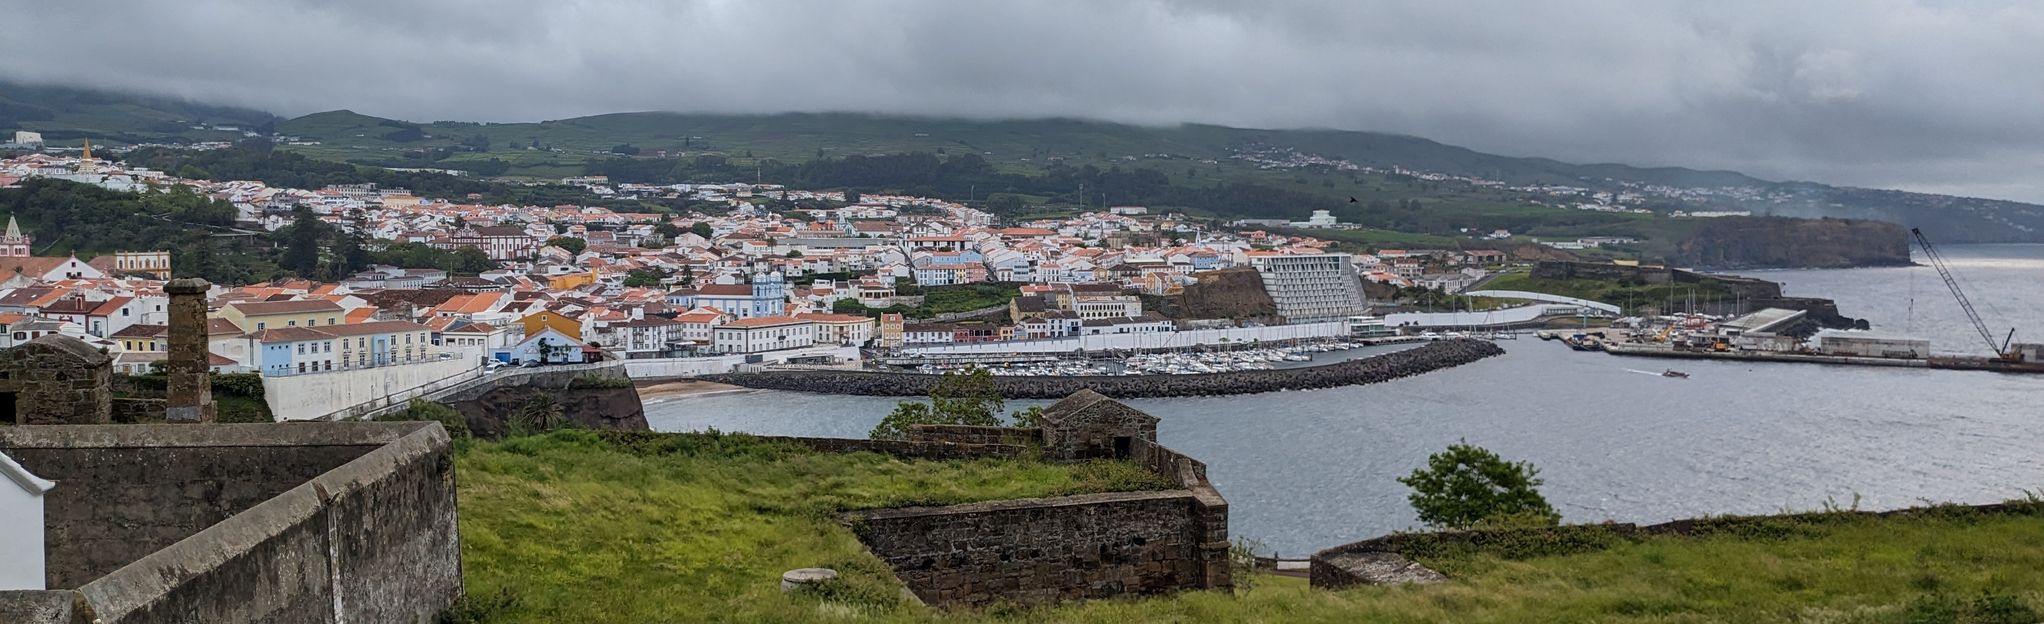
column 682, row 388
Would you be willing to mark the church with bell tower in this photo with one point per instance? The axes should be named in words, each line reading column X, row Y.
column 15, row 244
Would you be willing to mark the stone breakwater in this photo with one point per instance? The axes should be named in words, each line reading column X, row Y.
column 1430, row 357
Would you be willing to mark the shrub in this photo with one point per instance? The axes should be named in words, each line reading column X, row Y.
column 960, row 398
column 1468, row 485
column 421, row 409
column 244, row 384
column 599, row 381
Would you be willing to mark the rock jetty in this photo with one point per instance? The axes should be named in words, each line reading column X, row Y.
column 1430, row 357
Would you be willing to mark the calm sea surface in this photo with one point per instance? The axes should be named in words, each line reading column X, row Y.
column 1308, row 470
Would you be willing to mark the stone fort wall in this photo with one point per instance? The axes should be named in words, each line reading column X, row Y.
column 326, row 522
column 1042, row 551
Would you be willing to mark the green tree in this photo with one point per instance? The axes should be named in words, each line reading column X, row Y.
column 626, row 149
column 473, row 259
column 570, row 243
column 354, row 254
column 959, row 398
column 643, row 278
column 1031, row 418
column 851, row 196
column 539, row 413
column 703, row 229
column 1469, row 486
column 1005, row 204
column 301, row 253
column 794, row 253
column 848, row 306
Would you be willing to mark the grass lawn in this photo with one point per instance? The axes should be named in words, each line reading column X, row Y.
column 570, row 527
column 1629, row 296
column 576, row 527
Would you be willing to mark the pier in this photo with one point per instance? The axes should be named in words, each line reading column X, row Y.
column 1935, row 362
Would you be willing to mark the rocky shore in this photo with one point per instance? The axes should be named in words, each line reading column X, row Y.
column 1432, row 356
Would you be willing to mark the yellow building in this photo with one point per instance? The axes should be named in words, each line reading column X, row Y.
column 256, row 316
column 572, row 280
column 540, row 321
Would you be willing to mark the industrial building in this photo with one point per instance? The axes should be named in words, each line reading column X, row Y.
column 1863, row 345
column 1764, row 330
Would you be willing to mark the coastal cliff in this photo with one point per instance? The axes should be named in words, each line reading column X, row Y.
column 1235, row 294
column 1776, row 242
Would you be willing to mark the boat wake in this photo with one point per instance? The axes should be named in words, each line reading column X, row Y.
column 1635, row 370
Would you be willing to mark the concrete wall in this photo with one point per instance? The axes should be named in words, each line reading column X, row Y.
column 669, row 368
column 21, row 530
column 339, row 394
column 370, row 538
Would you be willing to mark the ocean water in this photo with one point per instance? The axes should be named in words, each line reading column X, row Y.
column 1613, row 440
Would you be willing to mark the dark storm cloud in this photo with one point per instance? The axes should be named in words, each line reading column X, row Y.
column 1929, row 95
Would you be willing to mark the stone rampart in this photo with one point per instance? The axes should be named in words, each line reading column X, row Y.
column 968, row 434
column 1040, row 551
column 325, row 522
column 1381, row 368
column 1330, row 568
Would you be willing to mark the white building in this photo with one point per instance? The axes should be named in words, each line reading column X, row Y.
column 21, row 527
column 841, row 329
column 765, row 333
column 24, row 137
column 1310, row 287
column 1320, row 219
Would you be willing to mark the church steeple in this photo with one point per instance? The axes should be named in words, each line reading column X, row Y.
column 85, row 163
column 15, row 244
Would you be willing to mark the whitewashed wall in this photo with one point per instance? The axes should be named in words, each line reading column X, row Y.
column 310, row 396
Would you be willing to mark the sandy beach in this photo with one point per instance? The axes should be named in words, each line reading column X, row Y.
column 682, row 388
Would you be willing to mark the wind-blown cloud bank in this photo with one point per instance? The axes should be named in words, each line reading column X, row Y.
column 1927, row 95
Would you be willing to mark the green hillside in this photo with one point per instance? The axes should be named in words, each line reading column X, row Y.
column 66, row 116
column 1227, row 165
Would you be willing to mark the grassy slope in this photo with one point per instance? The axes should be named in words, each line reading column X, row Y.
column 65, row 114
column 700, row 527
column 699, row 530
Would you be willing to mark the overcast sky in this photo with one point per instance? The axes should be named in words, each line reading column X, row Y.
column 1939, row 96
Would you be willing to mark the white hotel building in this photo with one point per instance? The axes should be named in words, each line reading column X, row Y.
column 763, row 333
column 1310, row 287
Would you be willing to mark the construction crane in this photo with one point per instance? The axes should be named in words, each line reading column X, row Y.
column 1937, row 261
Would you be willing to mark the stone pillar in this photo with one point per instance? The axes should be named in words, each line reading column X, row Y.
column 190, row 396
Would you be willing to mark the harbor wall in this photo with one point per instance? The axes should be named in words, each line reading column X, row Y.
column 671, row 368
column 1146, row 342
column 1381, row 368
